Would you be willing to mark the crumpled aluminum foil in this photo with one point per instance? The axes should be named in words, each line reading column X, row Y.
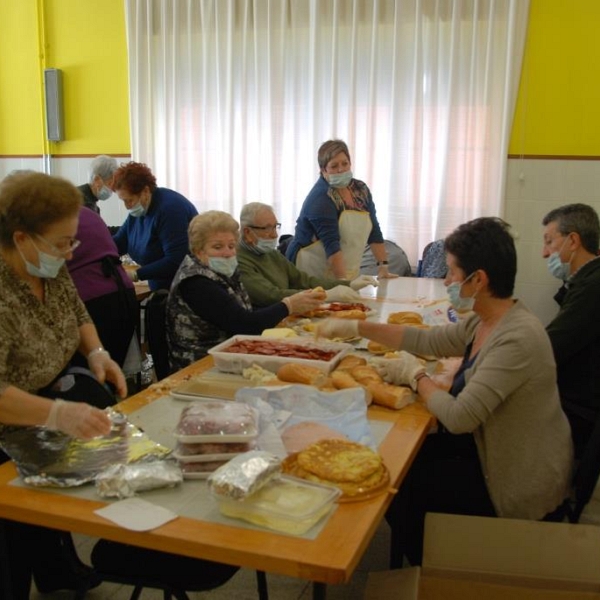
column 123, row 481
column 244, row 474
column 52, row 458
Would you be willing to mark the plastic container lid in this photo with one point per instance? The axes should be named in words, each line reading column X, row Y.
column 227, row 421
column 285, row 504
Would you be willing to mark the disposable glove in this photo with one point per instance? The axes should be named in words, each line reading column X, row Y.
column 78, row 419
column 384, row 273
column 104, row 367
column 304, row 302
column 342, row 293
column 363, row 281
column 399, row 371
column 337, row 328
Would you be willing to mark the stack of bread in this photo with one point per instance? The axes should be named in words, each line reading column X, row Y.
column 354, row 468
column 209, row 434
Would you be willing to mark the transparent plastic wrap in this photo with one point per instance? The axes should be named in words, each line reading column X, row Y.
column 244, row 474
column 124, row 481
column 51, row 458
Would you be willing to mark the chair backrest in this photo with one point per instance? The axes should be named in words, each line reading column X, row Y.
column 155, row 325
column 397, row 259
column 433, row 261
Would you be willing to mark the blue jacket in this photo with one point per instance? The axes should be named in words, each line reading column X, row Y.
column 158, row 241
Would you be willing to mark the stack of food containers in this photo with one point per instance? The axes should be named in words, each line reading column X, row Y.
column 209, row 434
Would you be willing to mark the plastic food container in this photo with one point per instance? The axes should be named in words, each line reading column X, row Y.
column 233, row 362
column 221, row 422
column 286, row 504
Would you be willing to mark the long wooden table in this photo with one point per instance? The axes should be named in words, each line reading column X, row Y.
column 331, row 558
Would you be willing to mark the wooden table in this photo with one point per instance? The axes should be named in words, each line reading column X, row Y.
column 331, row 558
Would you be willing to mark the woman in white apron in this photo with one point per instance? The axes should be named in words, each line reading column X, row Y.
column 337, row 221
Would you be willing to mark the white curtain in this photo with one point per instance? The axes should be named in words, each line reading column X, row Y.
column 230, row 100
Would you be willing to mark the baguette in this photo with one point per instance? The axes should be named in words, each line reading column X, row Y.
column 377, row 348
column 390, row 396
column 365, row 375
column 355, row 313
column 350, row 361
column 295, row 373
column 342, row 380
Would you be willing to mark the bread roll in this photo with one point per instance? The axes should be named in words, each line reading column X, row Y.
column 342, row 380
column 349, row 362
column 349, row 314
column 321, row 292
column 390, row 396
column 295, row 373
column 405, row 317
column 377, row 348
column 365, row 374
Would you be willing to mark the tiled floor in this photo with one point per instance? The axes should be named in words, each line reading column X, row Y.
column 243, row 585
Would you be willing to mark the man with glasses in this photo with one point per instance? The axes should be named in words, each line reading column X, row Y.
column 268, row 276
column 571, row 238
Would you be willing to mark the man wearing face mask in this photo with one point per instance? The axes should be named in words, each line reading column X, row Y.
column 101, row 172
column 337, row 220
column 571, row 238
column 268, row 276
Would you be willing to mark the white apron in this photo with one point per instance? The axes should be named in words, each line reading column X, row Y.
column 354, row 227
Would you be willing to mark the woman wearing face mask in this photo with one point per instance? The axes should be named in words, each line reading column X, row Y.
column 208, row 303
column 43, row 322
column 506, row 448
column 155, row 232
column 337, row 221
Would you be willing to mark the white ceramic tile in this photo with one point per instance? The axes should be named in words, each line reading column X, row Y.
column 582, row 181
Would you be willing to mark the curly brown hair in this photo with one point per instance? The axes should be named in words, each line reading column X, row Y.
column 134, row 177
column 31, row 202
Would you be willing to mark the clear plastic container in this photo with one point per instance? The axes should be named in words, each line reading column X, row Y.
column 285, row 504
column 221, row 422
column 233, row 362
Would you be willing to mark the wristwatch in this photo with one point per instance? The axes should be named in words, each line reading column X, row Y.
column 415, row 382
column 380, row 263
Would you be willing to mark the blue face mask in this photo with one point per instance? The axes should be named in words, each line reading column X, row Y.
column 457, row 301
column 49, row 265
column 136, row 211
column 340, row 180
column 222, row 265
column 105, row 193
column 263, row 245
column 559, row 269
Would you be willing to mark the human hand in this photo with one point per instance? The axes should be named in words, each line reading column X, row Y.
column 399, row 371
column 304, row 302
column 384, row 273
column 104, row 367
column 342, row 293
column 363, row 281
column 337, row 328
column 78, row 419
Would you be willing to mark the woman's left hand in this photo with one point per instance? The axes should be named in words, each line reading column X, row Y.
column 104, row 367
column 384, row 273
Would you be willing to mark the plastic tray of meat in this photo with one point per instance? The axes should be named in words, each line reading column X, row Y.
column 242, row 351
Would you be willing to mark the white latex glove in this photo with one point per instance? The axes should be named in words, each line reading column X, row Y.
column 337, row 328
column 384, row 273
column 78, row 419
column 342, row 293
column 399, row 371
column 104, row 367
column 363, row 281
column 304, row 302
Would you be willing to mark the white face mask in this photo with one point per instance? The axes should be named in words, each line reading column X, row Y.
column 136, row 211
column 340, row 180
column 457, row 301
column 105, row 193
column 265, row 245
column 222, row 265
column 559, row 269
column 49, row 265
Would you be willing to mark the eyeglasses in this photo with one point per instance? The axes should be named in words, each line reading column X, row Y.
column 71, row 244
column 269, row 228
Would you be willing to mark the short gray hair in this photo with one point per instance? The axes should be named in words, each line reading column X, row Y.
column 250, row 210
column 202, row 226
column 577, row 218
column 103, row 166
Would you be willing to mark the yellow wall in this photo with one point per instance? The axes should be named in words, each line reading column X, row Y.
column 557, row 108
column 86, row 40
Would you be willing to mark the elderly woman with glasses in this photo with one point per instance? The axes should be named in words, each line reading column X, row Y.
column 208, row 303
column 337, row 221
column 43, row 322
column 269, row 276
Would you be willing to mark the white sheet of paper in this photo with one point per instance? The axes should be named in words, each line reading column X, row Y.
column 136, row 514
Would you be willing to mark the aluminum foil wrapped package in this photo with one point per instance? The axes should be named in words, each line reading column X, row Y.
column 51, row 458
column 123, row 481
column 244, row 474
